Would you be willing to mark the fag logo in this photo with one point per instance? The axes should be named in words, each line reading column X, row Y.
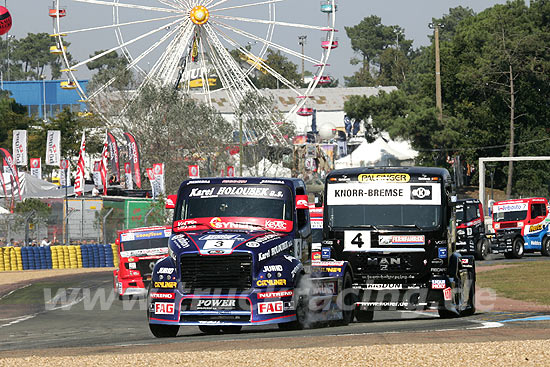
column 162, row 308
column 266, row 308
column 421, row 193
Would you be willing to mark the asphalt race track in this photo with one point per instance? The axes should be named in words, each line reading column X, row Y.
column 91, row 316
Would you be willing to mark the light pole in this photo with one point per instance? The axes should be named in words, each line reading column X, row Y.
column 302, row 42
column 438, row 101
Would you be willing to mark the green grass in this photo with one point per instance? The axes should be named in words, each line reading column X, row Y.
column 524, row 281
column 33, row 294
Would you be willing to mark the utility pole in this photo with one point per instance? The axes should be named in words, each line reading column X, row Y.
column 302, row 42
column 438, row 102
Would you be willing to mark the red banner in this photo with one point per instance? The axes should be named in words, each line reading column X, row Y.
column 230, row 171
column 8, row 161
column 133, row 156
column 103, row 167
column 114, row 164
column 80, row 168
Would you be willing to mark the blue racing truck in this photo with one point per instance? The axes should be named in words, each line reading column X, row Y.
column 240, row 254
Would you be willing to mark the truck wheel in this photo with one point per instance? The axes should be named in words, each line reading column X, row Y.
column 545, row 250
column 346, row 301
column 302, row 303
column 363, row 315
column 164, row 331
column 482, row 249
column 233, row 329
column 212, row 330
column 517, row 248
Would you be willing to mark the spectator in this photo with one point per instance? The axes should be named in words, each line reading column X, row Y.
column 95, row 191
column 44, row 242
column 11, row 243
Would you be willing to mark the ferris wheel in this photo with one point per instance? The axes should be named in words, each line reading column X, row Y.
column 215, row 50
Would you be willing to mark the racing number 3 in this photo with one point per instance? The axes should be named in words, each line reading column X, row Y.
column 357, row 240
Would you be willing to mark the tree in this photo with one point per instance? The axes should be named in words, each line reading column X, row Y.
column 110, row 68
column 371, row 39
column 280, row 63
column 13, row 116
column 174, row 129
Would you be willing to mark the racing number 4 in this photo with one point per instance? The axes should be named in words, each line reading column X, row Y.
column 357, row 240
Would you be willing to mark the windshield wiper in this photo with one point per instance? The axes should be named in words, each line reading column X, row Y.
column 366, row 226
column 402, row 226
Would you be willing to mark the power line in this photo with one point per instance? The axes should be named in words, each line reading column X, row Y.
column 482, row 148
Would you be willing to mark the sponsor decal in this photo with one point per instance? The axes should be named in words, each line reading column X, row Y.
column 156, row 295
column 215, row 304
column 186, row 224
column 218, row 237
column 162, row 308
column 536, row 227
column 275, row 182
column 384, row 263
column 384, row 177
column 510, row 207
column 272, row 268
column 236, row 191
column 324, row 288
column 277, row 225
column 327, row 263
column 252, row 244
column 166, row 270
column 402, row 240
column 274, row 250
column 438, row 283
column 437, row 261
column 145, row 252
column 218, row 244
column 438, row 270
column 217, row 252
column 316, row 223
column 442, row 252
column 296, row 269
column 181, row 242
column 357, row 241
column 266, row 308
column 316, row 256
column 330, row 270
column 421, row 192
column 383, row 304
column 279, row 294
column 325, row 253
column 165, row 285
column 383, row 286
column 270, row 282
column 447, row 294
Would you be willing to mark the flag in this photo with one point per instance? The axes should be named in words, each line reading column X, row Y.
column 97, row 174
column 64, row 173
column 151, row 176
column 230, row 171
column 80, row 168
column 133, row 156
column 114, row 165
column 128, row 176
column 53, row 148
column 36, row 167
column 158, row 170
column 194, row 171
column 103, row 166
column 12, row 169
column 20, row 147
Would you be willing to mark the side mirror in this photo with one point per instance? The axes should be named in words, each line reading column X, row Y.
column 171, row 201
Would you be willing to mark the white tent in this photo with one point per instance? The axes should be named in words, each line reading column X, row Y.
column 382, row 152
column 32, row 187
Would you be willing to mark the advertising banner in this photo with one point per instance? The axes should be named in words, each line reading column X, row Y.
column 133, row 156
column 53, row 148
column 80, row 168
column 20, row 147
column 97, row 175
column 12, row 168
column 128, row 176
column 194, row 171
column 36, row 167
column 114, row 164
column 158, row 170
column 64, row 172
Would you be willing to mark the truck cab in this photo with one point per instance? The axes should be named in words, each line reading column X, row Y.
column 521, row 225
column 470, row 229
column 240, row 255
column 396, row 227
column 138, row 251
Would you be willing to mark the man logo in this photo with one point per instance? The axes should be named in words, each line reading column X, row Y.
column 421, row 193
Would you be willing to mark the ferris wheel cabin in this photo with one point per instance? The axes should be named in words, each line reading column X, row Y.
column 305, row 111
column 56, row 50
column 53, row 13
column 326, row 6
column 329, row 44
column 325, row 79
column 67, row 84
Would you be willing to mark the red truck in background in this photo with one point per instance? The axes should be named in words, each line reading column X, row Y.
column 138, row 251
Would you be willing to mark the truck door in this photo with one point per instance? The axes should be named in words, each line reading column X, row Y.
column 536, row 229
column 302, row 238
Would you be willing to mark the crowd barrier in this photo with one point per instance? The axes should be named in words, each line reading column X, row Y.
column 58, row 257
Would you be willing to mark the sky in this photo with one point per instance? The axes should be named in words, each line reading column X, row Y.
column 31, row 16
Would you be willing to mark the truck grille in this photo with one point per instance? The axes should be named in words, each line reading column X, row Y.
column 227, row 272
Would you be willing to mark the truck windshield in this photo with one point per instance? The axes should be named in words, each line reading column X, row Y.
column 417, row 216
column 144, row 244
column 510, row 216
column 233, row 200
column 466, row 213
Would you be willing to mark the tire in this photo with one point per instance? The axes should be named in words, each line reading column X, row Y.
column 482, row 249
column 302, row 303
column 545, row 250
column 363, row 315
column 233, row 329
column 517, row 248
column 212, row 330
column 164, row 331
column 346, row 302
